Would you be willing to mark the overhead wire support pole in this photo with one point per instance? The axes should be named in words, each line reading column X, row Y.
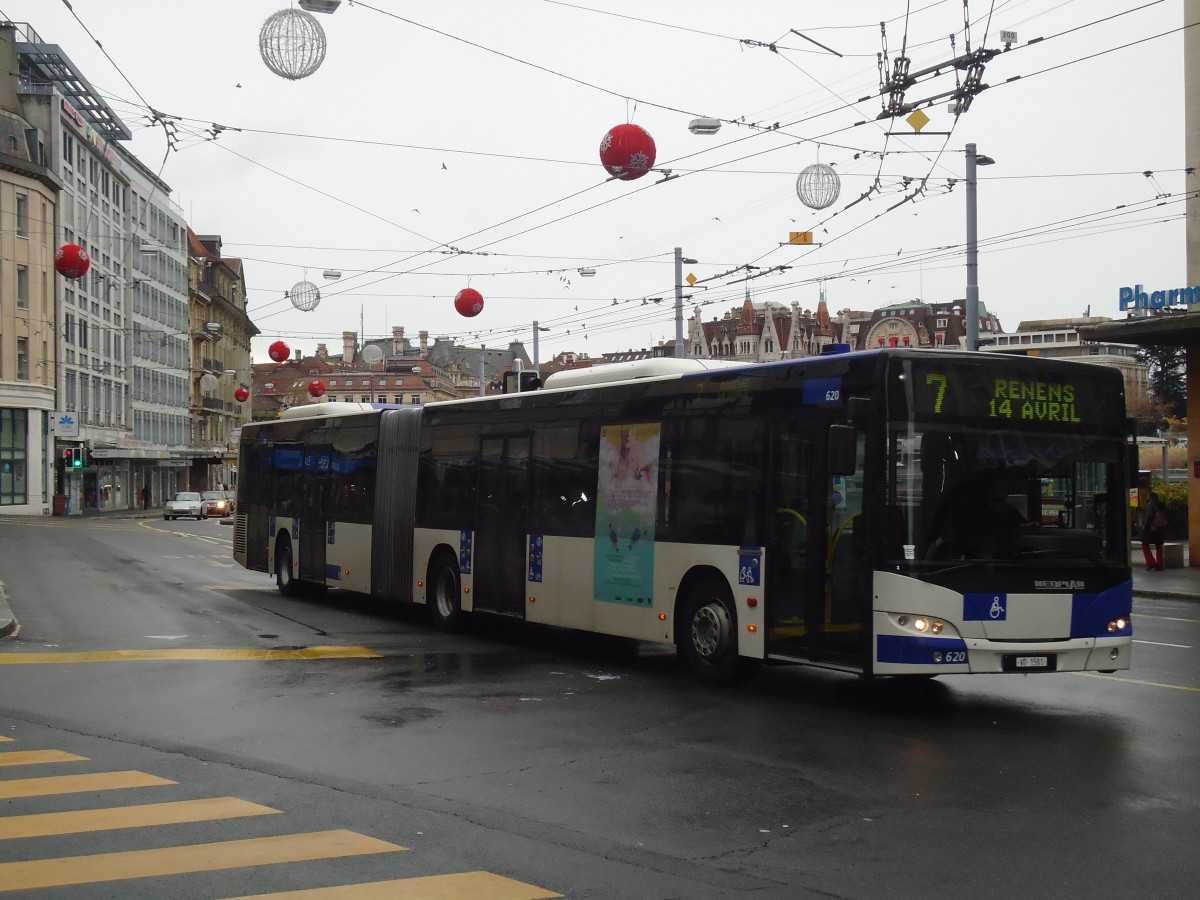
column 679, row 303
column 972, row 255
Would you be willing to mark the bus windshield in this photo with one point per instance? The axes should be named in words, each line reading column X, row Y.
column 1000, row 495
column 991, row 467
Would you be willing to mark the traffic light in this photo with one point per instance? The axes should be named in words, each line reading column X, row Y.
column 77, row 462
column 73, row 457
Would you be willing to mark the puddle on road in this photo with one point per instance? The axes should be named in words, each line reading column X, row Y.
column 444, row 668
column 401, row 717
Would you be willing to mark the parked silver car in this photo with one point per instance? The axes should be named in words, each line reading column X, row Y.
column 185, row 503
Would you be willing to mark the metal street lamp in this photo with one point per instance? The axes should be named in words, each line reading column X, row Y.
column 679, row 261
column 973, row 159
column 536, row 359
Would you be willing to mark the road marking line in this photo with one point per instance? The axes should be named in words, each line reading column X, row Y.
column 1175, row 687
column 114, row 817
column 460, row 886
column 36, row 757
column 1163, row 644
column 3, row 738
column 77, row 784
column 285, row 848
column 17, row 659
column 1166, row 618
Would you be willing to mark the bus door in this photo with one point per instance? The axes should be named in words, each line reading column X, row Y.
column 794, row 553
column 314, row 499
column 501, row 525
column 845, row 621
column 814, row 607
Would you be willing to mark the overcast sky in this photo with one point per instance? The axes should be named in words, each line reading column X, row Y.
column 476, row 124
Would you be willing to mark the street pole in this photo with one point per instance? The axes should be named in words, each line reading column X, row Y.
column 536, row 357
column 972, row 255
column 679, row 303
column 679, row 263
column 482, row 386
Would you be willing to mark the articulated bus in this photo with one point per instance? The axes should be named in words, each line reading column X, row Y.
column 890, row 512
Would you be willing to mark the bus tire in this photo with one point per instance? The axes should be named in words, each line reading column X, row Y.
column 289, row 586
column 708, row 638
column 444, row 598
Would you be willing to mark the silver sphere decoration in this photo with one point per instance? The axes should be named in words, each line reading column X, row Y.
column 292, row 43
column 305, row 296
column 818, row 186
column 371, row 354
column 208, row 381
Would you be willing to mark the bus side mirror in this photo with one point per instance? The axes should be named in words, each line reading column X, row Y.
column 843, row 450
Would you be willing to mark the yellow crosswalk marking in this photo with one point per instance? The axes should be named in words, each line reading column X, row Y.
column 461, row 886
column 34, row 757
column 17, row 659
column 77, row 784
column 114, row 817
column 43, row 873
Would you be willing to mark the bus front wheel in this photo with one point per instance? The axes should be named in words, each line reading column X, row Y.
column 284, row 577
column 445, row 594
column 708, row 642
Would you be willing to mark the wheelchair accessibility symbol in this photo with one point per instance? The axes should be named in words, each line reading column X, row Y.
column 997, row 610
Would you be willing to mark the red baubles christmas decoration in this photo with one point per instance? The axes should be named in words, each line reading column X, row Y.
column 316, row 388
column 627, row 152
column 241, row 395
column 279, row 351
column 468, row 302
column 71, row 261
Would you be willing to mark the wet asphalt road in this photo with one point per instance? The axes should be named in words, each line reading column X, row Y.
column 583, row 766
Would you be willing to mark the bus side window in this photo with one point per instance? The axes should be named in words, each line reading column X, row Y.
column 565, row 483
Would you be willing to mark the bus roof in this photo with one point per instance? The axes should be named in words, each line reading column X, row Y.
column 635, row 369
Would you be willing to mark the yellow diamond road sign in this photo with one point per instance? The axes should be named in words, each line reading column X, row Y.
column 917, row 120
column 691, row 279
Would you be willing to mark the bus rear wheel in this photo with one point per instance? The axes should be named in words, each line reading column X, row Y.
column 445, row 594
column 284, row 577
column 708, row 642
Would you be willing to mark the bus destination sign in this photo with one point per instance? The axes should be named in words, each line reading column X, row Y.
column 1017, row 400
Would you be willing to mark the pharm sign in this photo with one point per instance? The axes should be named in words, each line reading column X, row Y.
column 1137, row 298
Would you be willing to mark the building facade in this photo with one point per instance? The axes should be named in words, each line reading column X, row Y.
column 761, row 333
column 157, row 339
column 92, row 407
column 29, row 189
column 219, row 336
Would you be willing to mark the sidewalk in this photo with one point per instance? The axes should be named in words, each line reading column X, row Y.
column 1179, row 584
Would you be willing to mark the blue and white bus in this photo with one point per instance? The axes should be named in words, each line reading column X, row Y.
column 891, row 512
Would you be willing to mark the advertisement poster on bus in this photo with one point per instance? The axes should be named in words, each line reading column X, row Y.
column 626, row 501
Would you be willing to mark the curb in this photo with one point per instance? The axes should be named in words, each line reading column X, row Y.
column 1170, row 595
column 7, row 623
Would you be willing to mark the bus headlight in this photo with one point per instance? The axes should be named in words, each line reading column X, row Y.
column 921, row 624
column 1119, row 624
